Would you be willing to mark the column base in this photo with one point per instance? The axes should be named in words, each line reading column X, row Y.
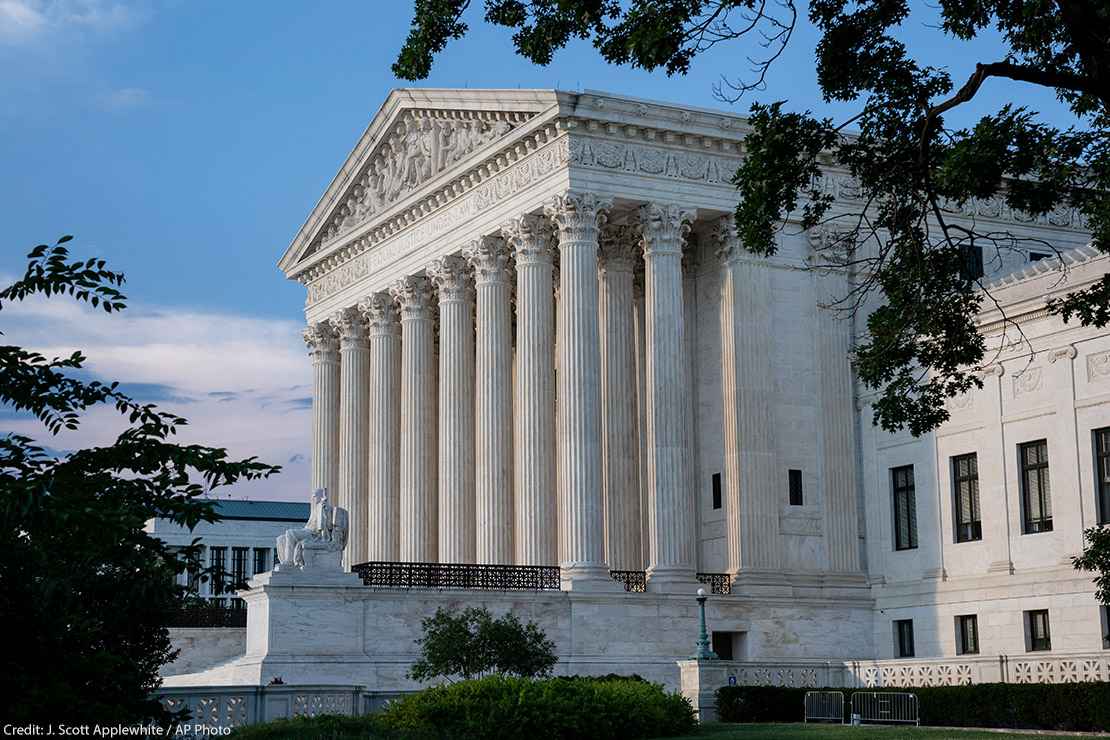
column 588, row 577
column 673, row 580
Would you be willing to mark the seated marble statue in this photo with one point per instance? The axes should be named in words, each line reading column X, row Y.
column 317, row 544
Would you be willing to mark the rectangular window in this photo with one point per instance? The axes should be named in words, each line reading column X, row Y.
column 218, row 564
column 795, row 487
column 905, row 508
column 973, row 262
column 965, row 484
column 967, row 634
column 716, row 490
column 1038, row 256
column 239, row 557
column 903, row 638
column 1036, row 497
column 1036, row 622
column 1104, row 618
column 261, row 560
column 1102, row 468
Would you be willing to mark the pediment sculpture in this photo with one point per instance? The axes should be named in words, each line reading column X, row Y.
column 421, row 145
column 317, row 546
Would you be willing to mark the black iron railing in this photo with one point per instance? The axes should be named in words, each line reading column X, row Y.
column 459, row 575
column 719, row 583
column 633, row 580
column 209, row 616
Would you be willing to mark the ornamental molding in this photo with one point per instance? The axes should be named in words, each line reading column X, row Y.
column 368, row 253
column 1027, row 381
column 1098, row 367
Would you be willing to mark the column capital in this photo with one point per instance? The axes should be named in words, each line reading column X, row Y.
column 451, row 277
column 490, row 258
column 381, row 314
column 320, row 338
column 726, row 238
column 414, row 296
column 348, row 324
column 579, row 216
column 531, row 238
column 664, row 226
column 619, row 247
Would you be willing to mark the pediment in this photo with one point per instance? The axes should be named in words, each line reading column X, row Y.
column 416, row 137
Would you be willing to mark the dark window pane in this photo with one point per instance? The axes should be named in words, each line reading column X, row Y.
column 1036, row 494
column 716, row 490
column 1039, row 637
column 905, row 508
column 795, row 487
column 903, row 631
column 1102, row 466
column 965, row 476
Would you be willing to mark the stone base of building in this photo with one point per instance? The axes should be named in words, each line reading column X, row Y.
column 335, row 630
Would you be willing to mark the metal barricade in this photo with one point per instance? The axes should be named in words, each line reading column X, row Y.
column 883, row 707
column 825, row 706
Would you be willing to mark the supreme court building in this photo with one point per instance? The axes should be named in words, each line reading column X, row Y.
column 546, row 370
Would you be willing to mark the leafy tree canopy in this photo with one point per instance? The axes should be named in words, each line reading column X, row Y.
column 472, row 643
column 85, row 593
column 913, row 170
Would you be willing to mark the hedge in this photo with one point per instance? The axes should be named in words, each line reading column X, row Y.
column 562, row 708
column 323, row 727
column 1083, row 707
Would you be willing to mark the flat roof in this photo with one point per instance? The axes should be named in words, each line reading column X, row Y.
column 273, row 511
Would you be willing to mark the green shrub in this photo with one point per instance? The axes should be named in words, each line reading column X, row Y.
column 472, row 643
column 1066, row 706
column 537, row 709
column 323, row 727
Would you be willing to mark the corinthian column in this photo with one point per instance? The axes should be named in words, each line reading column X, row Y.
column 383, row 542
column 620, row 442
column 418, row 459
column 354, row 361
column 534, row 464
column 456, row 409
column 579, row 217
column 664, row 228
column 749, row 481
column 493, row 393
column 323, row 347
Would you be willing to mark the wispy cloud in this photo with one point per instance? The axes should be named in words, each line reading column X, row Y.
column 25, row 20
column 125, row 98
column 241, row 381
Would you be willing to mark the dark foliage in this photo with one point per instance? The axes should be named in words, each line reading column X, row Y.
column 1075, row 707
column 1096, row 559
column 473, row 643
column 84, row 591
column 903, row 246
column 577, row 707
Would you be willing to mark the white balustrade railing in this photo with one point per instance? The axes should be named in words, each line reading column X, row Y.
column 236, row 706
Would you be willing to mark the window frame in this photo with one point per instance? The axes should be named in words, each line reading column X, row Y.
column 964, row 646
column 717, row 493
column 1038, row 644
column 1044, row 488
column 218, row 563
column 974, row 527
column 903, row 628
column 909, row 506
column 1101, row 441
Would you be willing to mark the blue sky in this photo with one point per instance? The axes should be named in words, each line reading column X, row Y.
column 187, row 141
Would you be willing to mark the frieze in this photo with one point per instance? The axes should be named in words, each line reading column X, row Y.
column 650, row 160
column 423, row 144
column 499, row 187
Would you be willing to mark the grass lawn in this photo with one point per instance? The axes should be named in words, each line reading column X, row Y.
column 727, row 731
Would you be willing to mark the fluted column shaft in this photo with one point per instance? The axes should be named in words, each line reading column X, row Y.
column 493, row 401
column 534, row 462
column 354, row 366
column 323, row 347
column 749, row 486
column 838, row 441
column 578, row 220
column 620, row 442
column 384, row 502
column 664, row 228
column 647, row 505
column 418, row 458
column 456, row 410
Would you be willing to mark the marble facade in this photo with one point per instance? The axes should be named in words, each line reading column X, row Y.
column 537, row 340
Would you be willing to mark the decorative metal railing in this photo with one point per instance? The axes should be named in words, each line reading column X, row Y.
column 634, row 581
column 719, row 583
column 464, row 576
column 209, row 616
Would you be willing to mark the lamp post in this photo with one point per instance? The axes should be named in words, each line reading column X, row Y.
column 704, row 652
